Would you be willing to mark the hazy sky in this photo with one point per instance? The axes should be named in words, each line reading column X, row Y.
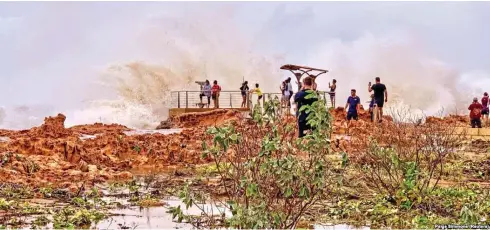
column 51, row 51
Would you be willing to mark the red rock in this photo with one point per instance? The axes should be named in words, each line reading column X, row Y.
column 123, row 176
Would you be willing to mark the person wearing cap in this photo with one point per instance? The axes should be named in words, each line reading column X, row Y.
column 475, row 113
column 484, row 111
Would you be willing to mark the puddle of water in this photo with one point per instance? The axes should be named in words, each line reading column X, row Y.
column 151, row 131
column 153, row 217
column 141, row 218
column 157, row 217
column 86, row 136
column 336, row 227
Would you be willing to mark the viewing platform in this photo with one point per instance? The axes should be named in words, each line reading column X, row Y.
column 190, row 101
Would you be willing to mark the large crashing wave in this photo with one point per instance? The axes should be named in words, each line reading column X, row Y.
column 201, row 44
column 186, row 49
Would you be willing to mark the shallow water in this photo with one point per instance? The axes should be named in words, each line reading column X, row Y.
column 141, row 218
column 336, row 227
column 152, row 217
column 152, row 131
column 133, row 217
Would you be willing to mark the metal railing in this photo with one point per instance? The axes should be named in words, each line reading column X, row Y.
column 228, row 99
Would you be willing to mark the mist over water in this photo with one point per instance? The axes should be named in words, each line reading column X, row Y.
column 204, row 46
column 413, row 78
column 212, row 42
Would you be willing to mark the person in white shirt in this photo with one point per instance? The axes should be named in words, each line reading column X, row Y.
column 206, row 91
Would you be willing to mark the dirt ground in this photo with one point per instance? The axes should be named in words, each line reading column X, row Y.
column 67, row 157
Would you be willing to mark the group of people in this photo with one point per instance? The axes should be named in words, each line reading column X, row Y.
column 479, row 110
column 211, row 92
column 245, row 91
column 378, row 98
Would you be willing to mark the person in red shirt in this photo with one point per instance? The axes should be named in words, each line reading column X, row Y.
column 475, row 113
column 484, row 112
column 215, row 91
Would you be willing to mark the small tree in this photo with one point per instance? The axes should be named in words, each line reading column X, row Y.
column 269, row 178
column 405, row 160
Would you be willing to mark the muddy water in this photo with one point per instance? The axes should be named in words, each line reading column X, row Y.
column 158, row 218
column 153, row 217
column 133, row 217
column 141, row 218
column 336, row 227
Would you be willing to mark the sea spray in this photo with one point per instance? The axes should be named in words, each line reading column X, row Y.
column 413, row 77
column 198, row 42
column 190, row 50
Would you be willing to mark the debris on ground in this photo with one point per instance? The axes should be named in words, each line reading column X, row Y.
column 66, row 157
column 167, row 124
column 53, row 154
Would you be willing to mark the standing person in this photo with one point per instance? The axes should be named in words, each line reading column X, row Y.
column 216, row 90
column 258, row 91
column 484, row 103
column 283, row 88
column 313, row 83
column 353, row 103
column 244, row 90
column 290, row 90
column 475, row 113
column 301, row 100
column 206, row 91
column 371, row 107
column 380, row 97
column 332, row 87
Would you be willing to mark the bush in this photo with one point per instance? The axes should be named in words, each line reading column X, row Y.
column 405, row 160
column 272, row 178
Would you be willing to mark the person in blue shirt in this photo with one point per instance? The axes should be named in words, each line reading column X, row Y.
column 353, row 103
column 300, row 99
